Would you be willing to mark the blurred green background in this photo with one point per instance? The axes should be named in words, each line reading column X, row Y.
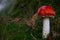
column 25, row 9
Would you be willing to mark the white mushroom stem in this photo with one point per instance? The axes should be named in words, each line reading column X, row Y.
column 46, row 27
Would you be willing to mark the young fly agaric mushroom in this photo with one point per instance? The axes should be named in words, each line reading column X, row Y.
column 46, row 12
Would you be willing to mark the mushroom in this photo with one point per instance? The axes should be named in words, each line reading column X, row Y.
column 46, row 12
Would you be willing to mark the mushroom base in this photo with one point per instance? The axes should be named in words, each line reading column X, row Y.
column 46, row 27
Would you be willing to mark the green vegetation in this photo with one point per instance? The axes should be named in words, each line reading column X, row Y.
column 25, row 9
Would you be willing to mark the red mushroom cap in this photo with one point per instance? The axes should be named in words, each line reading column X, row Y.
column 47, row 11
